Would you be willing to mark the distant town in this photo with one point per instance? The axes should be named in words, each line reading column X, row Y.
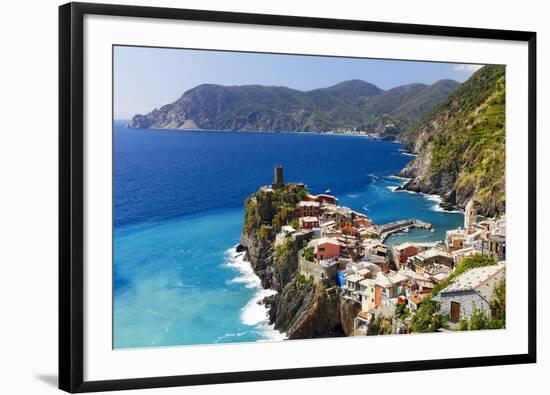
column 458, row 279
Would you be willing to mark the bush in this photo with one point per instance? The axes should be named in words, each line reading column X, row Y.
column 308, row 254
column 425, row 319
column 402, row 311
column 480, row 320
column 303, row 280
column 496, row 320
column 498, row 304
column 264, row 231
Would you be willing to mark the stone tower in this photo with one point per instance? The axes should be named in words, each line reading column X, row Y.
column 470, row 214
column 278, row 181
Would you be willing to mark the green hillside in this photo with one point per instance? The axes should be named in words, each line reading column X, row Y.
column 461, row 144
column 353, row 104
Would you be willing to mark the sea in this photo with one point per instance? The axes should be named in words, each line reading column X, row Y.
column 178, row 215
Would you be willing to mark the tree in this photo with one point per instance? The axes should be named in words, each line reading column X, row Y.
column 379, row 326
column 480, row 319
column 425, row 319
column 498, row 304
column 402, row 311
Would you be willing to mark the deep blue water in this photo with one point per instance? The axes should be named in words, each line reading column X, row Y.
column 178, row 200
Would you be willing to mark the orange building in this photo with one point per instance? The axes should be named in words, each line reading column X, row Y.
column 327, row 249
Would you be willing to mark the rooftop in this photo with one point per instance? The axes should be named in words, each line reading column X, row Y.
column 382, row 280
column 305, row 203
column 354, row 278
column 402, row 246
column 480, row 279
column 326, row 240
column 364, row 315
column 415, row 299
column 288, row 229
column 367, row 282
column 455, row 232
column 431, row 253
column 326, row 196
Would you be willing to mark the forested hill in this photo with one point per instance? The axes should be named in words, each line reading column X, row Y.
column 461, row 145
column 353, row 104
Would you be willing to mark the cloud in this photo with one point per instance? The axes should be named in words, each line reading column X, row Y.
column 470, row 68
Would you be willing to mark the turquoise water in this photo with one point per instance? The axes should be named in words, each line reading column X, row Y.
column 178, row 213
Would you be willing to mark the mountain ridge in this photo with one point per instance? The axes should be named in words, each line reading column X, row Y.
column 351, row 104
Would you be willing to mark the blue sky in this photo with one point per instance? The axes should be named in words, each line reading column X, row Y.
column 147, row 78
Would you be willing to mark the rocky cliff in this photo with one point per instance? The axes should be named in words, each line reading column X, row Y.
column 266, row 212
column 353, row 104
column 301, row 309
column 460, row 145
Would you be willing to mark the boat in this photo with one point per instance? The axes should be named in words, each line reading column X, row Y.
column 432, row 230
column 406, row 230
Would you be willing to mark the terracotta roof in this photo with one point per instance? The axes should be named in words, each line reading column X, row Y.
column 363, row 314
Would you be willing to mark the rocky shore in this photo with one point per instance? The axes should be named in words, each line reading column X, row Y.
column 300, row 309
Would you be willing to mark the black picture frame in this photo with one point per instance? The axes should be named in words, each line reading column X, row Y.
column 71, row 195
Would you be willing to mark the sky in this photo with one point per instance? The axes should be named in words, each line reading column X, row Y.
column 148, row 78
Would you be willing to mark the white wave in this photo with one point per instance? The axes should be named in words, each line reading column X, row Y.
column 392, row 188
column 374, row 176
column 269, row 333
column 353, row 195
column 254, row 313
column 239, row 334
column 406, row 191
column 437, row 207
column 433, row 198
column 408, row 154
column 398, row 177
column 247, row 275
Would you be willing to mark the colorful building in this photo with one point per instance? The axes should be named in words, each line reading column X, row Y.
column 308, row 209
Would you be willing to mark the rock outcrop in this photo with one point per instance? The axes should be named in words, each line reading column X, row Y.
column 305, row 311
column 300, row 308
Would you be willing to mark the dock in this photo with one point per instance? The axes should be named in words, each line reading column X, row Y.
column 398, row 226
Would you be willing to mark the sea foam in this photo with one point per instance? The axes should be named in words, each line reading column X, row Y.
column 254, row 313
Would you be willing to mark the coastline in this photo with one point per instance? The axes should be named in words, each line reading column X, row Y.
column 255, row 313
column 252, row 312
column 267, row 302
column 372, row 136
column 438, row 199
